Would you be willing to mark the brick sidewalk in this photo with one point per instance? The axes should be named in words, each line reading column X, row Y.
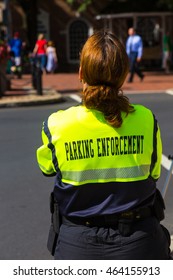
column 69, row 82
column 22, row 90
column 152, row 82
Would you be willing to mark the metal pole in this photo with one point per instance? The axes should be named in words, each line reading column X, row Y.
column 168, row 178
column 39, row 78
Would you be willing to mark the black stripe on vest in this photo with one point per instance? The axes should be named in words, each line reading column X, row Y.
column 154, row 153
column 50, row 145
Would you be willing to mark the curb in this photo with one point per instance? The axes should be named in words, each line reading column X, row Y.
column 50, row 96
column 31, row 99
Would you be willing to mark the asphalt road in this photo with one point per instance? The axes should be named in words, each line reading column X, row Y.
column 24, row 192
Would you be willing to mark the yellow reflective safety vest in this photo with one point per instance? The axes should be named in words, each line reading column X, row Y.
column 79, row 144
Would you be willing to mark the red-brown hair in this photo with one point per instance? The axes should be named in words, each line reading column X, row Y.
column 104, row 65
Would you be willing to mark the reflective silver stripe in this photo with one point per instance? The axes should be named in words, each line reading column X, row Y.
column 110, row 173
column 44, row 169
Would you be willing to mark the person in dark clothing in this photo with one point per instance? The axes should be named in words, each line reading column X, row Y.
column 134, row 49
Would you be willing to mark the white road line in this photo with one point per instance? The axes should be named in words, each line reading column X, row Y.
column 169, row 91
column 75, row 97
column 171, row 242
column 166, row 163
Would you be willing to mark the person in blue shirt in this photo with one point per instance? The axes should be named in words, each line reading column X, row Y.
column 15, row 45
column 134, row 49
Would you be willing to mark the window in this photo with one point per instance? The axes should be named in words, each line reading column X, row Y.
column 78, row 34
column 149, row 29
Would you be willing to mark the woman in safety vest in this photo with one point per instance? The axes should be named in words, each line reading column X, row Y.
column 106, row 156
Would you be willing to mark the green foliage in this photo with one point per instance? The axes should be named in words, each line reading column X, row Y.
column 70, row 1
column 82, row 5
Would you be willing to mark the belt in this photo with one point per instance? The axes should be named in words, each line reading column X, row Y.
column 110, row 220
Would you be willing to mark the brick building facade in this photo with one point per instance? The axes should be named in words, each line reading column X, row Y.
column 69, row 30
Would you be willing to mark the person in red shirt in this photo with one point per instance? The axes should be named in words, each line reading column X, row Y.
column 40, row 51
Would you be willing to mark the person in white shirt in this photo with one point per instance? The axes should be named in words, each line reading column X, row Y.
column 51, row 57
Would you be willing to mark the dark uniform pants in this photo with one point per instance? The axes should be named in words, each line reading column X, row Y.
column 149, row 241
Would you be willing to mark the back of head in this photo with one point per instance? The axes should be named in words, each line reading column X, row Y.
column 40, row 36
column 131, row 31
column 50, row 44
column 104, row 66
column 104, row 60
column 16, row 34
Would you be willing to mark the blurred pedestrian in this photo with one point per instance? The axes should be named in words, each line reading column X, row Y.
column 3, row 51
column 15, row 50
column 40, row 51
column 51, row 57
column 134, row 49
column 167, row 48
column 3, row 56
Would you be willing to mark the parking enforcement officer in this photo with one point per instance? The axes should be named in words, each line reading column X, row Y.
column 106, row 156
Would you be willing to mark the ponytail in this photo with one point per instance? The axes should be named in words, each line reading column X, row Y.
column 108, row 100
